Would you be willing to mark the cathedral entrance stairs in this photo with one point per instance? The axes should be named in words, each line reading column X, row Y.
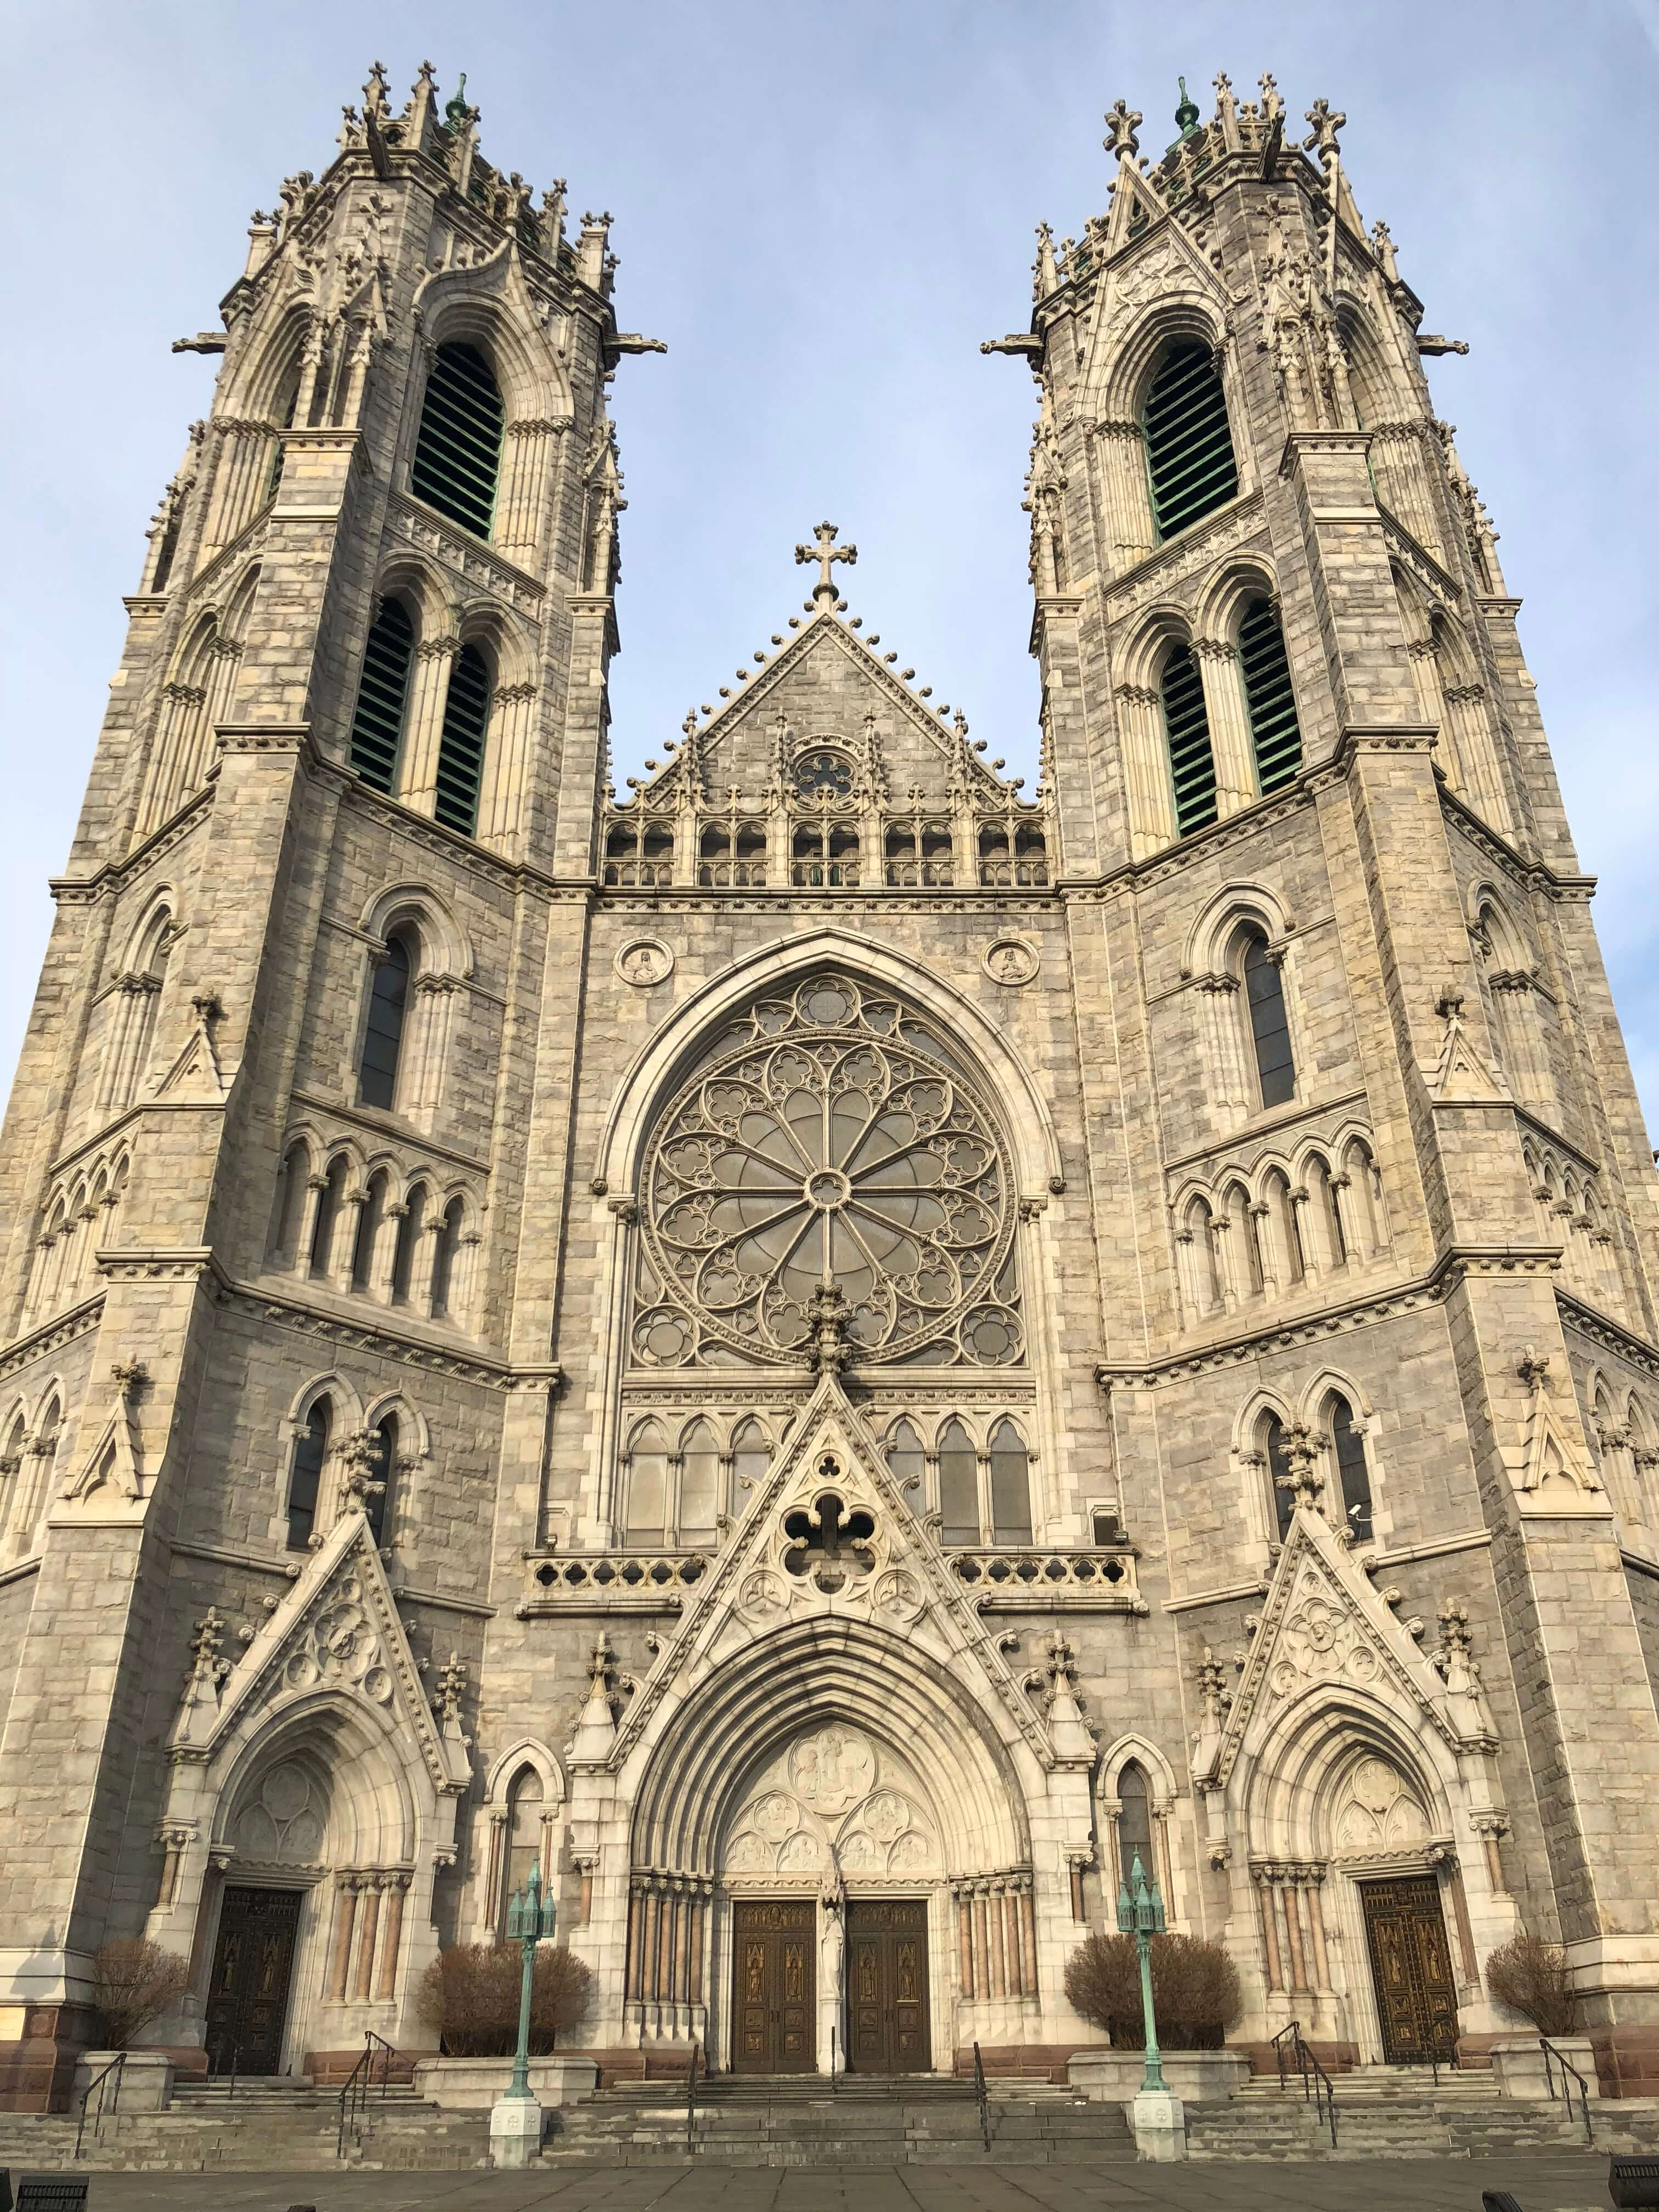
column 792, row 2120
column 1401, row 2111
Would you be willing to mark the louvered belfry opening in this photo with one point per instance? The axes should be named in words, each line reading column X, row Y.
column 1187, row 727
column 457, row 455
column 1189, row 447
column 377, row 727
column 461, row 749
column 1268, row 693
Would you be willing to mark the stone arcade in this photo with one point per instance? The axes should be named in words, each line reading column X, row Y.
column 827, row 1349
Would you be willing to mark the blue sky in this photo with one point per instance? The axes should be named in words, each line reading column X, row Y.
column 823, row 210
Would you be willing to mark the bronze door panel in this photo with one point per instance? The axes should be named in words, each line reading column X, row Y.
column 774, row 1983
column 887, row 2021
column 252, row 1968
column 1410, row 1967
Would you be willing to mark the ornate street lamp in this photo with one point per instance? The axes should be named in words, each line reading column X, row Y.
column 1141, row 1914
column 529, row 1916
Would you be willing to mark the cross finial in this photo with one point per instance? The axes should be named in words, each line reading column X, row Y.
column 825, row 552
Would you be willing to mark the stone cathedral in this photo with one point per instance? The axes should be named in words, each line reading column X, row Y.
column 829, row 1348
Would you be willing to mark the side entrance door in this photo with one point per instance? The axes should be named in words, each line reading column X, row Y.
column 887, row 2025
column 1416, row 1998
column 252, row 1967
column 773, row 1986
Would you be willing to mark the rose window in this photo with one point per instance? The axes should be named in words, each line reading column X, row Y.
column 831, row 1139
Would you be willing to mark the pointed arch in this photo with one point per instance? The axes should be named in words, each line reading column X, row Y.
column 1191, row 461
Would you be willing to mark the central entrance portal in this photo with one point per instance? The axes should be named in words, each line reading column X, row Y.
column 252, row 1967
column 1416, row 1999
column 887, row 2027
column 773, row 1986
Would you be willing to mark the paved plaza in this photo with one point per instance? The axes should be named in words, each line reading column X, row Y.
column 1562, row 2182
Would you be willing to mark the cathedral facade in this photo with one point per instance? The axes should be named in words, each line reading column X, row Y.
column 829, row 1350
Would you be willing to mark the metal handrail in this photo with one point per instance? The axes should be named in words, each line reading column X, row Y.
column 359, row 2085
column 984, row 2095
column 1316, row 2082
column 1567, row 2067
column 97, row 2082
column 691, row 2100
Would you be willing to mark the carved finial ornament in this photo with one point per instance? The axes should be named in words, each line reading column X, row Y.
column 826, row 553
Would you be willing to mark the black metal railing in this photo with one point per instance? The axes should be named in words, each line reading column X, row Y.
column 984, row 2096
column 220, row 2075
column 1316, row 2082
column 107, row 2083
column 691, row 2100
column 359, row 2086
column 1553, row 2059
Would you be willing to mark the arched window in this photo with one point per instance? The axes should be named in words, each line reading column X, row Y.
column 371, row 1219
column 444, row 1284
column 461, row 747
column 329, row 1202
column 377, row 1506
column 1353, row 1476
column 648, row 1487
column 825, row 854
column 524, row 1835
column 383, row 1033
column 752, row 1459
column 959, row 1485
column 1278, row 1475
column 1189, row 447
column 1270, row 1025
column 699, row 1485
column 306, row 1475
column 1186, row 732
column 1011, row 1486
column 1134, row 1822
column 289, row 1214
column 1275, row 734
column 11, row 1478
column 377, row 727
column 409, row 1231
column 906, row 1461
column 458, row 453
column 39, row 1483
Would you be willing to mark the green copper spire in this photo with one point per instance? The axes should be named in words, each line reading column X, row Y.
column 1186, row 114
column 455, row 109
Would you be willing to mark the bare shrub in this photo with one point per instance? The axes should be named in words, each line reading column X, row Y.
column 134, row 1982
column 469, row 1996
column 1533, row 1978
column 1194, row 1990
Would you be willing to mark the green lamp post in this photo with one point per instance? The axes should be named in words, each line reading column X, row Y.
column 1141, row 1914
column 529, row 1916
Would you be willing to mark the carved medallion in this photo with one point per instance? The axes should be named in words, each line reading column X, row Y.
column 832, row 1769
column 1011, row 960
column 645, row 962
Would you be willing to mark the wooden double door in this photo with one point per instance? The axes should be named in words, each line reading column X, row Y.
column 887, row 2025
column 252, row 1969
column 1410, row 1967
column 774, row 1983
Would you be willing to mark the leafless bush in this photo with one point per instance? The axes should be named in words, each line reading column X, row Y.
column 1194, row 1990
column 1533, row 1978
column 134, row 1982
column 469, row 1996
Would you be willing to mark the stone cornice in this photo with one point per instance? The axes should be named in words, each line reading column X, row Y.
column 1611, row 1335
column 1176, row 556
column 54, row 1336
column 386, row 1128
column 421, row 525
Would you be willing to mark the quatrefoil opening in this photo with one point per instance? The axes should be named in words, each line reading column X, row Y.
column 829, row 1542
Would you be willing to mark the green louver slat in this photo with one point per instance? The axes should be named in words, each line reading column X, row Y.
column 1187, row 727
column 378, row 725
column 1274, row 730
column 457, row 455
column 1189, row 447
column 461, row 749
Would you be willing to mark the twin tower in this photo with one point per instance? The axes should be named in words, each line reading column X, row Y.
column 832, row 1350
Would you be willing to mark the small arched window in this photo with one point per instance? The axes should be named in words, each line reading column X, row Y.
column 377, row 1506
column 444, row 1286
column 377, row 727
column 524, row 1835
column 959, row 1485
column 1134, row 1822
column 289, row 1211
column 383, row 1034
column 1011, row 1486
column 1186, row 732
column 1270, row 1024
column 408, row 1231
column 752, row 1459
column 305, row 1477
column 371, row 1219
column 330, row 1199
column 1278, row 1475
column 647, row 1486
column 1275, row 734
column 906, row 1461
column 458, row 453
column 461, row 747
column 699, row 1485
column 1353, row 1476
column 1189, row 447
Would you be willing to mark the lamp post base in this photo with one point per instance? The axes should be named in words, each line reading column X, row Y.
column 515, row 2131
column 1159, row 2120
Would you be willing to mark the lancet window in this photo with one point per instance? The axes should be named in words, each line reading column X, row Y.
column 731, row 855
column 824, row 856
column 1353, row 1473
column 377, row 726
column 461, row 746
column 1270, row 1025
column 1187, row 733
column 979, row 1485
column 919, row 854
column 458, row 452
column 1189, row 447
column 1269, row 696
column 383, row 1034
column 305, row 1477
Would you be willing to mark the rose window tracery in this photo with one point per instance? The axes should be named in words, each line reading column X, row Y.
column 831, row 1139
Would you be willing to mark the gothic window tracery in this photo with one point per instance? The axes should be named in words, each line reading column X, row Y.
column 832, row 1136
column 1352, row 1471
column 638, row 854
column 824, row 856
column 919, row 854
column 1270, row 1026
column 731, row 855
column 1013, row 855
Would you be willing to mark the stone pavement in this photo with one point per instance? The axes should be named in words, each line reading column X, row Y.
column 1563, row 2182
